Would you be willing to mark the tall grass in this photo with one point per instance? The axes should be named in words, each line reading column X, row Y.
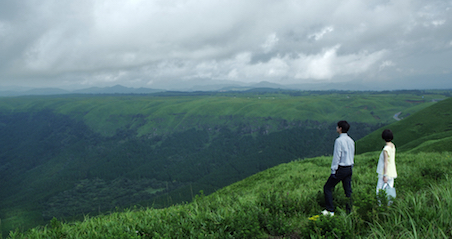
column 281, row 202
column 424, row 214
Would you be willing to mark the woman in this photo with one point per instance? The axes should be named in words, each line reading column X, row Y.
column 386, row 167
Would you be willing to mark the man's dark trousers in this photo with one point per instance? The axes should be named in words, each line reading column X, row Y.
column 344, row 174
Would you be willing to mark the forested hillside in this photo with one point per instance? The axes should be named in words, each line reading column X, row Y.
column 65, row 156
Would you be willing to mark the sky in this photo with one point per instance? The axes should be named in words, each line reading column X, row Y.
column 181, row 44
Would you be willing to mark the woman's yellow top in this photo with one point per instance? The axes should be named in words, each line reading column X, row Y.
column 391, row 168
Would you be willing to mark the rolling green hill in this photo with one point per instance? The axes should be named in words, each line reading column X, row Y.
column 283, row 201
column 428, row 130
column 65, row 156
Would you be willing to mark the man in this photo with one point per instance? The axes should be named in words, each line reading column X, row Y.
column 341, row 167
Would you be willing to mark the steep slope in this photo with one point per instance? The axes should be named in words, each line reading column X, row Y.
column 281, row 202
column 429, row 129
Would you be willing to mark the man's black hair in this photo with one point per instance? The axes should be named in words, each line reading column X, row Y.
column 344, row 125
column 387, row 135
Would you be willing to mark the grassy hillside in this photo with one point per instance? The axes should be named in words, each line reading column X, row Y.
column 279, row 202
column 429, row 130
column 65, row 156
column 154, row 115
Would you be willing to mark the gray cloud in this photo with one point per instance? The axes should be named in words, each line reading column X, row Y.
column 74, row 44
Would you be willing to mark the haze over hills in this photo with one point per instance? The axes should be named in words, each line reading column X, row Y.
column 218, row 86
column 117, row 89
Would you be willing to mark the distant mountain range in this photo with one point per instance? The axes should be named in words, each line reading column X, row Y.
column 119, row 89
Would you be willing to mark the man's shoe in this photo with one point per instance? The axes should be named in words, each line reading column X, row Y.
column 327, row 213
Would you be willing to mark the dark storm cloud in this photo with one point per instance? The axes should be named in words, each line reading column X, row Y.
column 163, row 43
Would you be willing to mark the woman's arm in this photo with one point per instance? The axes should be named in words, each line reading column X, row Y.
column 385, row 169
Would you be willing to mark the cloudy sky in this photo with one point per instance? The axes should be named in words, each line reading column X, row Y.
column 175, row 44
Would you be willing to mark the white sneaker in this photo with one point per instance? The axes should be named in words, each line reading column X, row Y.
column 327, row 213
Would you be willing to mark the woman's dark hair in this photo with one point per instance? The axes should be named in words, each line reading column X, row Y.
column 387, row 135
column 344, row 125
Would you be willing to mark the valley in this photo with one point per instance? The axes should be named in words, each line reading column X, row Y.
column 73, row 155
